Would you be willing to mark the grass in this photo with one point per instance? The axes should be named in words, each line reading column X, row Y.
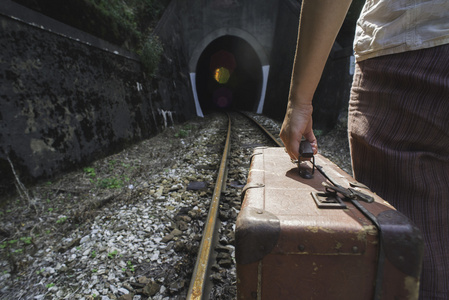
column 112, row 182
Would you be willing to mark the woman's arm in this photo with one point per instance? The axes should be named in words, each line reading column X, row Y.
column 319, row 24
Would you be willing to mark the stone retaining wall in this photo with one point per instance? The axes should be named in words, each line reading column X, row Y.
column 67, row 100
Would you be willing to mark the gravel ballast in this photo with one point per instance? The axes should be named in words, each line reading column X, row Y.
column 128, row 226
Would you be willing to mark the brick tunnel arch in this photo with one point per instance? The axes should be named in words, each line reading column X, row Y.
column 229, row 68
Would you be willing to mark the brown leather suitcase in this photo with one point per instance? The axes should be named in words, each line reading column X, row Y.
column 299, row 239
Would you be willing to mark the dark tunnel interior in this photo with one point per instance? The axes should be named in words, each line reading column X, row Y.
column 229, row 75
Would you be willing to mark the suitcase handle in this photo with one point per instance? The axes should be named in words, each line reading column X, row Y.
column 305, row 150
column 306, row 154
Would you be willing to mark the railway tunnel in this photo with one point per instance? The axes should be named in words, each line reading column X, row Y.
column 240, row 56
column 229, row 74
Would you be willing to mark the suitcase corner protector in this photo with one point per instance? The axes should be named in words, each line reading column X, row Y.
column 256, row 234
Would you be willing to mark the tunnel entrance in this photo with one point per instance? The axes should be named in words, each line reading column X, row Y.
column 229, row 75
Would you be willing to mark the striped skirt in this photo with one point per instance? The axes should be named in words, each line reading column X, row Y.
column 398, row 129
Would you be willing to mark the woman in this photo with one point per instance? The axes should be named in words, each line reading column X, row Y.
column 398, row 120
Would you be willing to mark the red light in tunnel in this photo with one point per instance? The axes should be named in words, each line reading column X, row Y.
column 222, row 59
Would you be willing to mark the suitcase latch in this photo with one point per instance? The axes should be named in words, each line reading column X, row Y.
column 348, row 193
column 331, row 197
column 328, row 200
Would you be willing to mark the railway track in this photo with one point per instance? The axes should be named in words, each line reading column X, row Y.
column 139, row 238
column 131, row 224
column 241, row 128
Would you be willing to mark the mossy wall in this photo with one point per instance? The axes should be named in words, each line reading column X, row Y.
column 64, row 102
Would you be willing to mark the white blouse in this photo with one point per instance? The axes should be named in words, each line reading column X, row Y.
column 393, row 26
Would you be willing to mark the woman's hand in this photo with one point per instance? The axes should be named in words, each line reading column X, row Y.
column 297, row 123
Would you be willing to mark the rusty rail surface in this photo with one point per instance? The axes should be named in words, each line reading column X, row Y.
column 269, row 134
column 198, row 284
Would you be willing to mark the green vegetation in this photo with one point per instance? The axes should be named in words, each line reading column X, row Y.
column 61, row 220
column 184, row 131
column 40, row 271
column 90, row 172
column 108, row 182
column 16, row 242
column 130, row 266
column 112, row 254
column 14, row 248
column 127, row 23
column 26, row 240
column 150, row 55
column 50, row 285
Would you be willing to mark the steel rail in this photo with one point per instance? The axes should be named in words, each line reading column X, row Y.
column 198, row 284
column 271, row 136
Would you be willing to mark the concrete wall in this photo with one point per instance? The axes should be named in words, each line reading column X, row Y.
column 206, row 20
column 172, row 83
column 67, row 98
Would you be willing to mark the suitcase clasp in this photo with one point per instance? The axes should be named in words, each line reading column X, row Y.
column 349, row 193
column 328, row 200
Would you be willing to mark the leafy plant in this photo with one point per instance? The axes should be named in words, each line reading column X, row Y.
column 150, row 55
column 112, row 254
column 110, row 183
column 50, row 285
column 6, row 244
column 90, row 172
column 130, row 266
column 182, row 133
column 112, row 164
column 61, row 220
column 26, row 240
